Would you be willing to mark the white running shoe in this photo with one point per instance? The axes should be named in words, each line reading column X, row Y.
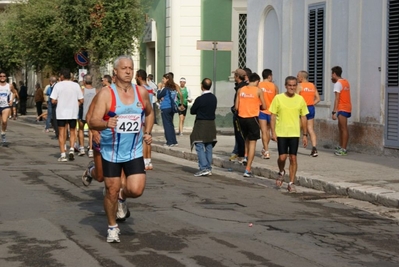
column 71, row 154
column 90, row 153
column 113, row 235
column 62, row 159
column 86, row 177
column 82, row 151
column 123, row 212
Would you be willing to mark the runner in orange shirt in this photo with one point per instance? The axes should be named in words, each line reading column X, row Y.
column 309, row 92
column 270, row 90
column 342, row 108
column 249, row 101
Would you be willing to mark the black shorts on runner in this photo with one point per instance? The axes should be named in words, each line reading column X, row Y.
column 250, row 128
column 184, row 112
column 287, row 145
column 63, row 123
column 135, row 166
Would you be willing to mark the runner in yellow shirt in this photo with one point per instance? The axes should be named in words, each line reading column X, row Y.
column 290, row 109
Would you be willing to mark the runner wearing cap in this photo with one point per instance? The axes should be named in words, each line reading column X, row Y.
column 186, row 99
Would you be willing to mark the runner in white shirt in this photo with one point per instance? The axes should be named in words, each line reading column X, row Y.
column 6, row 98
column 67, row 95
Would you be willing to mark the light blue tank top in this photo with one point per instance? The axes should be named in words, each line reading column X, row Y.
column 124, row 142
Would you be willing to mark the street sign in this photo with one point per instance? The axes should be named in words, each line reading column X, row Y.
column 215, row 46
column 210, row 45
column 82, row 73
column 82, row 58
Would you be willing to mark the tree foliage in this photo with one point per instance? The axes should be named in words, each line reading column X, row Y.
column 49, row 32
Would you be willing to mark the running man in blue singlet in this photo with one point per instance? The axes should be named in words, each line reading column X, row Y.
column 124, row 115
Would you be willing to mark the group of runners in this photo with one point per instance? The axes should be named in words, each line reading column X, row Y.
column 259, row 108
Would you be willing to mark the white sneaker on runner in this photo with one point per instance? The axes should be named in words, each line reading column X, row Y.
column 90, row 153
column 62, row 159
column 71, row 154
column 123, row 212
column 82, row 151
column 86, row 177
column 113, row 235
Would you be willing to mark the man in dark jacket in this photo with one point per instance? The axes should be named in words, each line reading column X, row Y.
column 23, row 97
column 203, row 136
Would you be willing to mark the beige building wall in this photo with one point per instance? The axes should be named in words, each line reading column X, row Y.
column 183, row 29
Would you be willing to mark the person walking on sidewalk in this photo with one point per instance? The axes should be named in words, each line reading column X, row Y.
column 290, row 109
column 238, row 152
column 249, row 102
column 152, row 84
column 186, row 99
column 6, row 99
column 270, row 90
column 342, row 108
column 39, row 99
column 67, row 95
column 309, row 92
column 168, row 96
column 203, row 136
column 23, row 94
column 120, row 113
column 14, row 110
column 50, row 108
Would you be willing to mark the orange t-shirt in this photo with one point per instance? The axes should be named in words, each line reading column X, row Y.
column 269, row 92
column 343, row 88
column 308, row 92
column 249, row 104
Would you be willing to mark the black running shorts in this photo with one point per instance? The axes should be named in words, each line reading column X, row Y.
column 135, row 166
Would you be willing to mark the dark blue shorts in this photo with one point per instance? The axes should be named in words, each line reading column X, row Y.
column 264, row 116
column 3, row 108
column 312, row 113
column 344, row 113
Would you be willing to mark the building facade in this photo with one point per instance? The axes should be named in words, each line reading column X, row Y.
column 360, row 36
column 287, row 36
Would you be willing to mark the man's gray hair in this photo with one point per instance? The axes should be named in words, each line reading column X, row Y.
column 116, row 62
column 88, row 79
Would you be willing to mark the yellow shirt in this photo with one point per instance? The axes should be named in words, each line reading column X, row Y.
column 288, row 111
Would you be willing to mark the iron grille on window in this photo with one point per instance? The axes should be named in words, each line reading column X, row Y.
column 393, row 44
column 316, row 46
column 392, row 95
column 242, row 40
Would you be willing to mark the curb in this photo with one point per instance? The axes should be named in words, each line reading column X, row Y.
column 373, row 194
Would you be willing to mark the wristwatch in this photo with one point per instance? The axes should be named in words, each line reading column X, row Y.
column 333, row 112
column 305, row 134
column 148, row 133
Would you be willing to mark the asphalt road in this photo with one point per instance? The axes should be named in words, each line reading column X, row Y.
column 48, row 218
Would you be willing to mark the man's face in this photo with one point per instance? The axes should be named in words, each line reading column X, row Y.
column 124, row 70
column 182, row 84
column 291, row 87
column 3, row 77
column 334, row 77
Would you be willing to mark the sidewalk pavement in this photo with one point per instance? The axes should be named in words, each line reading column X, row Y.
column 360, row 176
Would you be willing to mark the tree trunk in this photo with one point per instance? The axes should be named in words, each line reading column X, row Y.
column 94, row 71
